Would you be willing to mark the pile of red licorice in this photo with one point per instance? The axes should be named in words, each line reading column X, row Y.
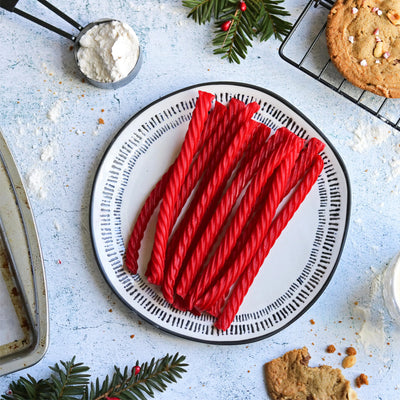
column 236, row 174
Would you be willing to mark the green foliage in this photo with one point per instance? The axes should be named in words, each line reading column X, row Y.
column 261, row 19
column 71, row 382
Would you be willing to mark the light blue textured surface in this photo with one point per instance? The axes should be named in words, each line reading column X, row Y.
column 86, row 318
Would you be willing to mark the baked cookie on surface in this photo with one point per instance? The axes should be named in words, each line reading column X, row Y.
column 363, row 38
column 290, row 378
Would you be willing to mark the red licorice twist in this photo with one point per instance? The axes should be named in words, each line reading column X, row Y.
column 277, row 226
column 303, row 162
column 215, row 147
column 275, row 194
column 155, row 270
column 202, row 159
column 239, row 142
column 152, row 201
column 313, row 147
column 256, row 151
column 210, row 211
column 268, row 160
column 132, row 252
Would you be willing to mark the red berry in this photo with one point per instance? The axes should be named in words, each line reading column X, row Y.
column 226, row 25
column 242, row 6
column 136, row 369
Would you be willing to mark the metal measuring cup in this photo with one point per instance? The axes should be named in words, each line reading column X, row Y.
column 10, row 5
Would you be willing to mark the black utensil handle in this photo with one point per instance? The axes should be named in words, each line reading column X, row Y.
column 45, row 24
column 9, row 5
column 60, row 14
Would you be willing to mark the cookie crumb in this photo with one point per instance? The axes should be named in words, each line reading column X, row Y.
column 349, row 361
column 312, row 322
column 362, row 380
column 331, row 348
column 351, row 351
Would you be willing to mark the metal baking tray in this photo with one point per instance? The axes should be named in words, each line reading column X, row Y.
column 24, row 325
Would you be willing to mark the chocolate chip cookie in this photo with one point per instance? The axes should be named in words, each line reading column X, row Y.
column 363, row 38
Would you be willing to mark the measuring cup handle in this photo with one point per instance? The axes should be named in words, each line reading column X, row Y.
column 8, row 5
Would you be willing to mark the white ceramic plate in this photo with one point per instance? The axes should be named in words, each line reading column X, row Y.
column 300, row 264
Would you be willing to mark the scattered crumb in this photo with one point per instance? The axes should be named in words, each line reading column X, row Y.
column 367, row 135
column 49, row 152
column 362, row 380
column 101, row 121
column 351, row 351
column 132, row 336
column 312, row 322
column 35, row 182
column 110, row 310
column 331, row 348
column 55, row 111
column 349, row 361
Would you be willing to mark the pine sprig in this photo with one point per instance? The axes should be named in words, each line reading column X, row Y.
column 270, row 21
column 234, row 42
column 27, row 388
column 71, row 382
column 152, row 376
column 261, row 18
column 203, row 10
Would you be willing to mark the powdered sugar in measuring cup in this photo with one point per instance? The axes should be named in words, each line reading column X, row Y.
column 108, row 53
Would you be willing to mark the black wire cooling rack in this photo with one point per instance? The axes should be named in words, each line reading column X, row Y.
column 305, row 48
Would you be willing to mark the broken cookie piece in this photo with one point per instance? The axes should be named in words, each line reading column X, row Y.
column 290, row 378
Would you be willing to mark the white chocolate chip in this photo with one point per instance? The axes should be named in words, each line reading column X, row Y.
column 351, row 39
column 386, row 54
column 354, row 10
column 363, row 63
